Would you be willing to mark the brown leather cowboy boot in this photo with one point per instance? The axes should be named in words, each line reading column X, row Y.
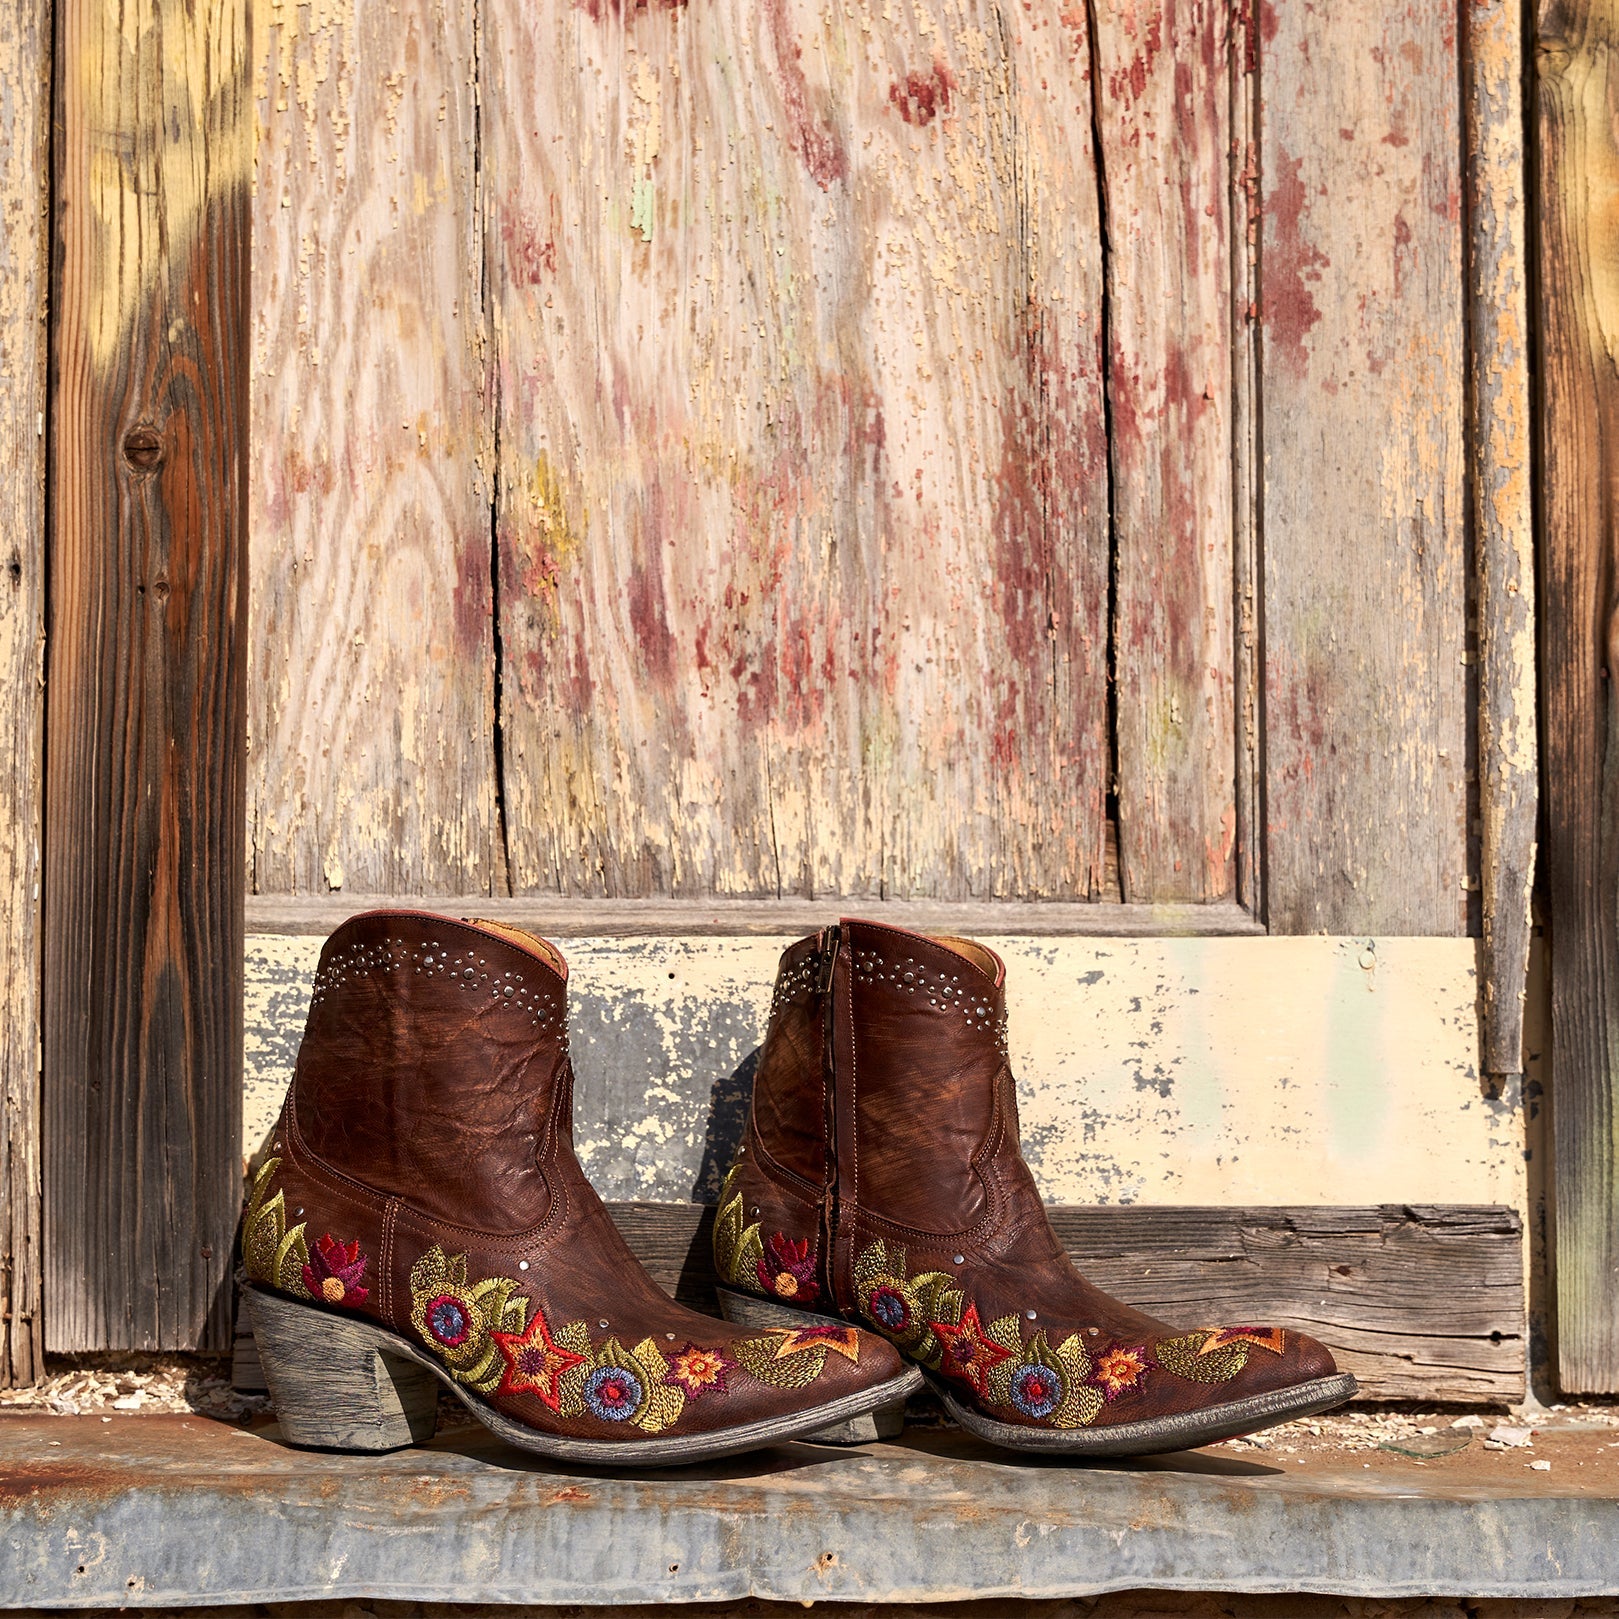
column 422, row 1217
column 880, row 1180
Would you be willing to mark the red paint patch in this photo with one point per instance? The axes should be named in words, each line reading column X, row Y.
column 618, row 10
column 809, row 126
column 1289, row 308
column 923, row 96
column 471, row 601
column 650, row 620
column 1053, row 468
column 531, row 251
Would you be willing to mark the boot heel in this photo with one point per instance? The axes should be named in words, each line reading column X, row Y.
column 886, row 1422
column 334, row 1382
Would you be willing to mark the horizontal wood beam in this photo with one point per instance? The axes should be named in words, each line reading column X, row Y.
column 1421, row 1303
column 561, row 918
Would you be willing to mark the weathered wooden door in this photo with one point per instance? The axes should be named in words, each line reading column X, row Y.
column 780, row 450
column 1004, row 458
column 725, row 413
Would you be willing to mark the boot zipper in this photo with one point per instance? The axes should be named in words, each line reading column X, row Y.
column 831, row 940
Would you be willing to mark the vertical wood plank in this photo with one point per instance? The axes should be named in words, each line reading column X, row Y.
column 144, row 789
column 25, row 78
column 1247, row 476
column 1366, row 719
column 1577, row 125
column 1498, row 385
column 802, row 484
column 1164, row 100
column 372, row 679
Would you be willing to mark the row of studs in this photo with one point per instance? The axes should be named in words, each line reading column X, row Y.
column 468, row 971
column 795, row 981
column 943, row 990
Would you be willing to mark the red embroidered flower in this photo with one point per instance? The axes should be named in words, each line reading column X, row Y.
column 334, row 1271
column 534, row 1361
column 1120, row 1369
column 968, row 1354
column 788, row 1270
column 699, row 1370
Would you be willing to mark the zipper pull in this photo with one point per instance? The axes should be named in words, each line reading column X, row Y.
column 830, row 939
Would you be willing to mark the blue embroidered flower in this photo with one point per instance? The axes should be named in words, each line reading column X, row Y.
column 449, row 1320
column 889, row 1308
column 1036, row 1390
column 612, row 1393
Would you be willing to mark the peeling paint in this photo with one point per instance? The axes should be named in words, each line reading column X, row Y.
column 1189, row 1071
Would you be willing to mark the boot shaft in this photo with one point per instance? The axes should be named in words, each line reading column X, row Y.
column 883, row 1074
column 434, row 1065
column 918, row 1059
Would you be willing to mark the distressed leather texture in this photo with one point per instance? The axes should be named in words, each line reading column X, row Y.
column 923, row 1178
column 429, row 1122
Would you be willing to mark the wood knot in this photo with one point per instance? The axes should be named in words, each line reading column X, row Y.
column 143, row 448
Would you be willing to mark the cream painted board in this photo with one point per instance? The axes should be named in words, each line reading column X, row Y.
column 1321, row 1071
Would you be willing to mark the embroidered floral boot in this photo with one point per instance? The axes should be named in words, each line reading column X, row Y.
column 880, row 1180
column 422, row 1220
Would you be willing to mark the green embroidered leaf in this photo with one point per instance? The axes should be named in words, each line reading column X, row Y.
column 737, row 1249
column 1180, row 1356
column 291, row 1255
column 758, row 1358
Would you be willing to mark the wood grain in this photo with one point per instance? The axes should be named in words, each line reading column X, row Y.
column 373, row 724
column 1163, row 92
column 25, row 78
column 1420, row 1303
column 1366, row 715
column 1503, row 515
column 594, row 918
column 803, row 518
column 1577, row 125
column 144, row 787
column 1247, row 472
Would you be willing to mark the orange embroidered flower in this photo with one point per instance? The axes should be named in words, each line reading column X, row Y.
column 1119, row 1369
column 1273, row 1339
column 698, row 1369
column 843, row 1341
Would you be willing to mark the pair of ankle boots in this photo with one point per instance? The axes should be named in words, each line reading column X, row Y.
column 421, row 1220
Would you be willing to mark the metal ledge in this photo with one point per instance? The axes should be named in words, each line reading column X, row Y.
column 174, row 1511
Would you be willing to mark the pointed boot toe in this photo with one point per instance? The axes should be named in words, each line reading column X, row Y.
column 903, row 1202
column 422, row 1223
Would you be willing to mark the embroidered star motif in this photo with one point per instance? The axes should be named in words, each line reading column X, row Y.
column 1273, row 1339
column 534, row 1363
column 968, row 1354
column 843, row 1341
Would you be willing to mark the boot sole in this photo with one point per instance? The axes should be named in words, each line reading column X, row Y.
column 1185, row 1431
column 339, row 1383
column 1156, row 1435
